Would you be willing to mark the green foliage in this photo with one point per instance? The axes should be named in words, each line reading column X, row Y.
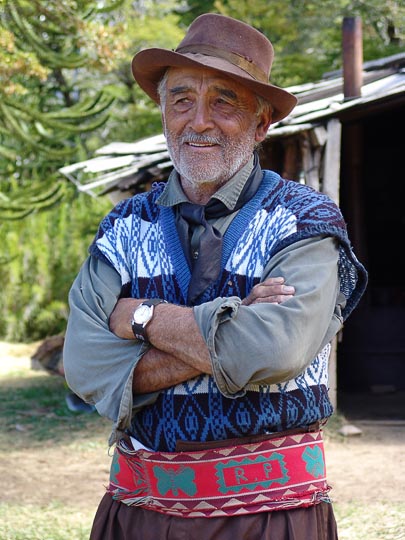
column 47, row 109
column 15, row 204
column 65, row 65
column 41, row 256
column 134, row 121
column 194, row 8
column 148, row 24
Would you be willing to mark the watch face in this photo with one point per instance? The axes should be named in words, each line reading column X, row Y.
column 142, row 314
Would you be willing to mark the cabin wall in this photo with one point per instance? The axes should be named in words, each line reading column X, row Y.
column 372, row 353
column 362, row 169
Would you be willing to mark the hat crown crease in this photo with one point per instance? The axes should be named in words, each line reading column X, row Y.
column 234, row 58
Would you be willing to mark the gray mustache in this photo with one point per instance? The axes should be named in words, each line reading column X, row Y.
column 199, row 139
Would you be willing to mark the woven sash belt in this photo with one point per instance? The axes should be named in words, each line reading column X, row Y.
column 275, row 474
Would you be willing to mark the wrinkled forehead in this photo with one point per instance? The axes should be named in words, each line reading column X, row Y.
column 202, row 79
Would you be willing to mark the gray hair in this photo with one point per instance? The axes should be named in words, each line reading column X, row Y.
column 162, row 89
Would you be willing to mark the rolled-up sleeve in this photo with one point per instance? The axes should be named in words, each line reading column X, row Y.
column 99, row 365
column 268, row 342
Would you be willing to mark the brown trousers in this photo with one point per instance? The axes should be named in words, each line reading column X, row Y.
column 117, row 521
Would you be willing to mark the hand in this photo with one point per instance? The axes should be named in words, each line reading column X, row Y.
column 272, row 290
column 121, row 317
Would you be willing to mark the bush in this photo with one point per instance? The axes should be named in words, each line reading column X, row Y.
column 41, row 255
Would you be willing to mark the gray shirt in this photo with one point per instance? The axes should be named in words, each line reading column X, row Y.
column 247, row 344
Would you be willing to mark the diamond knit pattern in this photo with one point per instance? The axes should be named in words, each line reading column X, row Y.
column 139, row 239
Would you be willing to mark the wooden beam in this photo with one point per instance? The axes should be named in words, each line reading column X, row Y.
column 333, row 373
column 331, row 183
column 331, row 173
column 291, row 165
column 310, row 160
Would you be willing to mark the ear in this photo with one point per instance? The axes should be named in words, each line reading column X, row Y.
column 263, row 126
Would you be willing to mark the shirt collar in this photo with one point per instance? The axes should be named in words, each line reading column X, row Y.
column 228, row 194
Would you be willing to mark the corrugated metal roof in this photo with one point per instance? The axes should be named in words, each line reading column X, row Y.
column 124, row 166
column 387, row 84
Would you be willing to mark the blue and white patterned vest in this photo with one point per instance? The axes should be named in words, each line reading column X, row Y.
column 139, row 239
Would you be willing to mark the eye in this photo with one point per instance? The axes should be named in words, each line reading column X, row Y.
column 181, row 104
column 182, row 100
column 224, row 104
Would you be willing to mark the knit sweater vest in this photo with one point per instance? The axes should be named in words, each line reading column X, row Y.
column 139, row 239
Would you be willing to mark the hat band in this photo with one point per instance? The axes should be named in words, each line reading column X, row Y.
column 233, row 58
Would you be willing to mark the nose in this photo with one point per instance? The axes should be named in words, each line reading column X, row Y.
column 201, row 119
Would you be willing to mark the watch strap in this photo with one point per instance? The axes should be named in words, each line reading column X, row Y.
column 139, row 330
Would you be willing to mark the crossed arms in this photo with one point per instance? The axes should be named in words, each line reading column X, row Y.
column 239, row 341
column 178, row 351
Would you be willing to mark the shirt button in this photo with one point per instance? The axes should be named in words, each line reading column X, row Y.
column 195, row 254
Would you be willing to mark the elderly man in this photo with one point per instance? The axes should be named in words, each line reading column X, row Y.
column 182, row 329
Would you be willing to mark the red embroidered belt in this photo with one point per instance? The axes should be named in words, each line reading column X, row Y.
column 274, row 474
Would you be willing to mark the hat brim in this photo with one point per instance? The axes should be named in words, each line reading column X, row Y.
column 149, row 66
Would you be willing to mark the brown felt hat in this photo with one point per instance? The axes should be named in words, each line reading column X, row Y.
column 227, row 45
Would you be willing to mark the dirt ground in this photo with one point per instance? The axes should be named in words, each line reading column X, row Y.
column 363, row 467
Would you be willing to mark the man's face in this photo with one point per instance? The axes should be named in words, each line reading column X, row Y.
column 211, row 125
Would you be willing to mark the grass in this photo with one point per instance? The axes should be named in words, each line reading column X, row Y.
column 38, row 409
column 51, row 522
column 378, row 521
column 33, row 414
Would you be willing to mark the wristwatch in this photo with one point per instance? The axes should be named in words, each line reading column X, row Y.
column 142, row 316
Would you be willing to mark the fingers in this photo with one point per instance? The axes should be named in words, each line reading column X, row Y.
column 272, row 290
